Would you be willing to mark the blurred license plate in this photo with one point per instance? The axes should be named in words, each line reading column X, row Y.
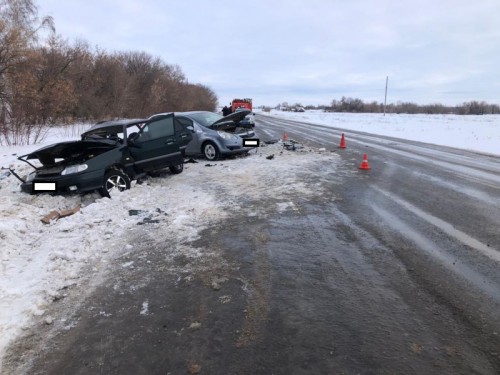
column 44, row 186
column 251, row 142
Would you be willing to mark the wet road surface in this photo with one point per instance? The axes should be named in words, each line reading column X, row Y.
column 389, row 271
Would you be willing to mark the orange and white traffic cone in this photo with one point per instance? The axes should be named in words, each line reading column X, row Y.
column 342, row 142
column 285, row 138
column 364, row 164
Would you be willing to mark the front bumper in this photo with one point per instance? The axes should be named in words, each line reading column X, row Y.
column 78, row 182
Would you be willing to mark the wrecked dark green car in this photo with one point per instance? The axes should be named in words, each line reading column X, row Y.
column 109, row 156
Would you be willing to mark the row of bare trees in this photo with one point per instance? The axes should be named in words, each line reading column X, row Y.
column 356, row 105
column 49, row 81
column 347, row 104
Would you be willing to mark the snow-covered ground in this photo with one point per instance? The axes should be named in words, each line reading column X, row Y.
column 41, row 263
column 477, row 133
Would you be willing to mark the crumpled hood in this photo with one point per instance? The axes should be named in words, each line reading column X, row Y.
column 230, row 122
column 64, row 150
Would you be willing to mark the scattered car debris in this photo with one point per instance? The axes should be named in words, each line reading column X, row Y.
column 210, row 165
column 217, row 281
column 152, row 218
column 194, row 369
column 190, row 160
column 136, row 212
column 160, row 211
column 148, row 220
column 56, row 215
column 292, row 145
column 8, row 171
column 52, row 215
column 271, row 142
column 195, row 325
column 4, row 174
column 70, row 212
column 270, row 157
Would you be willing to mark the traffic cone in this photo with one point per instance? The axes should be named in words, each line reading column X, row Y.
column 285, row 138
column 342, row 141
column 364, row 164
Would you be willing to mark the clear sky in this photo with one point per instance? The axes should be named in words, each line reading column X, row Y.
column 305, row 51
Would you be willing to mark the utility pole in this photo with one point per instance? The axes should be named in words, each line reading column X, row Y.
column 385, row 100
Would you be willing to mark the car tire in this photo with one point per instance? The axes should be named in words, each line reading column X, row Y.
column 210, row 151
column 176, row 169
column 114, row 179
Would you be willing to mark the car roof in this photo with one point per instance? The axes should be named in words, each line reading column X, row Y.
column 191, row 112
column 113, row 126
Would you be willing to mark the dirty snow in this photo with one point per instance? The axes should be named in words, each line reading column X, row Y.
column 42, row 263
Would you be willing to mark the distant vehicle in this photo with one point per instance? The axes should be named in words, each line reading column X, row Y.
column 215, row 135
column 109, row 155
column 241, row 103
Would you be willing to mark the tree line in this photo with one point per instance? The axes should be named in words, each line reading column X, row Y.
column 346, row 104
column 356, row 105
column 49, row 81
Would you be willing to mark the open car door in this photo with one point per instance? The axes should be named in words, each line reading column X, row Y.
column 156, row 145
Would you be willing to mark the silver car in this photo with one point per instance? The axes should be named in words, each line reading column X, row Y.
column 215, row 135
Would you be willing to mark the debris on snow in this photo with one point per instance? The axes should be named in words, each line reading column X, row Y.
column 52, row 215
column 145, row 308
column 56, row 215
column 216, row 282
column 38, row 259
column 194, row 369
column 195, row 325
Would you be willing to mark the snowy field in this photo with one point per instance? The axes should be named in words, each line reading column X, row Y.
column 476, row 133
column 42, row 263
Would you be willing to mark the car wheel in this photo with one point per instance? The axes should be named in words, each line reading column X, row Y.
column 114, row 180
column 176, row 169
column 210, row 151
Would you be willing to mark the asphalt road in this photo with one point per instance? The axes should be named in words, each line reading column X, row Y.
column 395, row 271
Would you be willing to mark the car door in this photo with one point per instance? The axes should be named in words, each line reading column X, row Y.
column 156, row 145
column 193, row 146
column 183, row 132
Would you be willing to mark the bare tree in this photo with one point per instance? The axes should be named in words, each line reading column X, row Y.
column 19, row 27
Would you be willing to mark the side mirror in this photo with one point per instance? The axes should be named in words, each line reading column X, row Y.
column 191, row 128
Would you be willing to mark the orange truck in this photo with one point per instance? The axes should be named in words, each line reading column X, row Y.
column 241, row 103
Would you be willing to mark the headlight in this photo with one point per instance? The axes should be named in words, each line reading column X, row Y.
column 74, row 169
column 224, row 135
column 31, row 177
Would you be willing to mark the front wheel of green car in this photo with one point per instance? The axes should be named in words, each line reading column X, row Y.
column 176, row 169
column 114, row 180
